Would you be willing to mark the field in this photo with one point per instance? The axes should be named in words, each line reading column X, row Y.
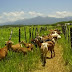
column 67, row 50
column 17, row 62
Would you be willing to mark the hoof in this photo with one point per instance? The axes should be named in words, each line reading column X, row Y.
column 43, row 65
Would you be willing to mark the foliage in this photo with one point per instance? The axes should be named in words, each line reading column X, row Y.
column 67, row 50
column 17, row 62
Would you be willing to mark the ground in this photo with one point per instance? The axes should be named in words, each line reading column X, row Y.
column 56, row 64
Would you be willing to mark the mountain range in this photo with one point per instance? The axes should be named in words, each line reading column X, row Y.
column 38, row 20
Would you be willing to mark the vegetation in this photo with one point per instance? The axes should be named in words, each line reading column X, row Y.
column 17, row 62
column 67, row 50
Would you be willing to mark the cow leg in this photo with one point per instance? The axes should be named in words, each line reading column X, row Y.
column 44, row 61
column 51, row 54
column 45, row 58
column 42, row 57
column 54, row 53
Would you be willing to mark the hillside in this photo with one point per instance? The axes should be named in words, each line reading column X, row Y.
column 38, row 21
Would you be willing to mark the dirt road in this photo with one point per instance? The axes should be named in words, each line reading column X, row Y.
column 55, row 64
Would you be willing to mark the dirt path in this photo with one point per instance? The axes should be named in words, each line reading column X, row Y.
column 55, row 64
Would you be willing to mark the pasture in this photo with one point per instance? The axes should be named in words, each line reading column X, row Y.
column 17, row 62
column 67, row 49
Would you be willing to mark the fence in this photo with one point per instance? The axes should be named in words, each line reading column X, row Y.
column 25, row 33
column 67, row 33
column 71, row 36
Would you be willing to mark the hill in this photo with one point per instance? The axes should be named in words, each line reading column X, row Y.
column 38, row 20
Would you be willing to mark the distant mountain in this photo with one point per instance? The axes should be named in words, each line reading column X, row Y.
column 38, row 20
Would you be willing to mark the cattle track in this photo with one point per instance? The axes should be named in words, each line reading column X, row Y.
column 55, row 64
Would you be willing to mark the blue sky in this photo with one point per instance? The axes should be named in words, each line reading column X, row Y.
column 35, row 5
column 12, row 10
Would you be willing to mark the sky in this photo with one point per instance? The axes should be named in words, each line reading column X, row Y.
column 12, row 10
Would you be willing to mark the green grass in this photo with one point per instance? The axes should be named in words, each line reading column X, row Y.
column 67, row 50
column 17, row 62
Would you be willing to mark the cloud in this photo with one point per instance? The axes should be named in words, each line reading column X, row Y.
column 18, row 15
column 61, row 14
column 15, row 14
column 33, row 13
column 11, row 16
column 0, row 17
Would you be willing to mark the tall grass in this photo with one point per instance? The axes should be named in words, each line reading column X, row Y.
column 17, row 62
column 67, row 51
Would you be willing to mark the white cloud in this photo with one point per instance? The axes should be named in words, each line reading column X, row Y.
column 18, row 15
column 61, row 14
column 15, row 14
column 11, row 16
column 0, row 17
column 33, row 13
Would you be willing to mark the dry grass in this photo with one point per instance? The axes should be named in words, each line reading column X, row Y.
column 55, row 64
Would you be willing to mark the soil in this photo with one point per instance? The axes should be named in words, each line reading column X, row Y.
column 55, row 64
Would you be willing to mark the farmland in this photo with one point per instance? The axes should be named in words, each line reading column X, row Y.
column 17, row 62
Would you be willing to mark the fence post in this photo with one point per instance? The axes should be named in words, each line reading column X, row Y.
column 32, row 33
column 45, row 28
column 25, row 34
column 29, row 34
column 68, row 35
column 36, row 29
column 71, row 36
column 64, row 30
column 10, row 35
column 19, row 35
column 40, row 29
column 35, row 32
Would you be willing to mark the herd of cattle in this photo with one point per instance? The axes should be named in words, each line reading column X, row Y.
column 45, row 43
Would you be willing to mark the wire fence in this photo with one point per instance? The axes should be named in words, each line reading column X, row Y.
column 25, row 33
column 67, row 33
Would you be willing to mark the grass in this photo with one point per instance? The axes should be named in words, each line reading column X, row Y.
column 67, row 50
column 17, row 62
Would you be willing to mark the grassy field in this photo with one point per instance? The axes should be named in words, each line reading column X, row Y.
column 67, row 50
column 17, row 62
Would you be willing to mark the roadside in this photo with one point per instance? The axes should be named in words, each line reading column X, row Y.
column 55, row 64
